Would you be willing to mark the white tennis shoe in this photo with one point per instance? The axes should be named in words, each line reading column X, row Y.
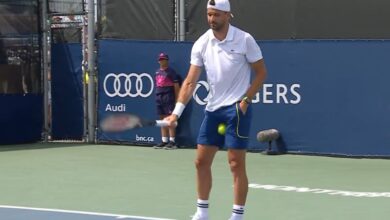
column 198, row 217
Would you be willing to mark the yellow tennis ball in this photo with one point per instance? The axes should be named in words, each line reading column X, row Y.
column 222, row 129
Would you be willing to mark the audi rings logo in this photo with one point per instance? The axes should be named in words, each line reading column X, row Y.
column 132, row 85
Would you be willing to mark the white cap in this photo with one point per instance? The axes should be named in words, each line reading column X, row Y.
column 222, row 5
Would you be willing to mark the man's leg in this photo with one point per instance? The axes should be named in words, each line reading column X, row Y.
column 172, row 139
column 169, row 109
column 164, row 136
column 169, row 106
column 240, row 180
column 172, row 133
column 164, row 130
column 204, row 159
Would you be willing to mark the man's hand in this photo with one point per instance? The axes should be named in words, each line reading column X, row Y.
column 172, row 120
column 243, row 106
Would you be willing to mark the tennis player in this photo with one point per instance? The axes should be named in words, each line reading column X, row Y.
column 228, row 55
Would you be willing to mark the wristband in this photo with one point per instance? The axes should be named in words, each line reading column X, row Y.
column 179, row 108
column 247, row 100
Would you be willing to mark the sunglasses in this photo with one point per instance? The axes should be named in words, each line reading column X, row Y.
column 212, row 2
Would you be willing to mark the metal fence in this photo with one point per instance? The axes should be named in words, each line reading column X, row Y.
column 19, row 47
column 264, row 19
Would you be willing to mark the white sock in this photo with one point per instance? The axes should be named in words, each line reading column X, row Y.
column 164, row 139
column 172, row 139
column 202, row 208
column 238, row 212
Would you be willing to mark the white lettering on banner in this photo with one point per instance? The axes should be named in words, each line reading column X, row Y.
column 116, row 108
column 144, row 139
column 319, row 191
column 295, row 93
column 270, row 94
column 266, row 93
column 121, row 85
column 281, row 94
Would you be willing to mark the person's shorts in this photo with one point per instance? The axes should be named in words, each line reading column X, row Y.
column 165, row 103
column 237, row 127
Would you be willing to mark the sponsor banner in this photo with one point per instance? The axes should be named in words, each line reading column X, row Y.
column 126, row 85
column 318, row 94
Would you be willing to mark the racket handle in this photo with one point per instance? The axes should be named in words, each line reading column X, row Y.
column 163, row 123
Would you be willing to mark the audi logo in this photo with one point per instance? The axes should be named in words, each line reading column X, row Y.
column 132, row 85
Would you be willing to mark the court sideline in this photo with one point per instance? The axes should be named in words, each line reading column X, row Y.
column 141, row 181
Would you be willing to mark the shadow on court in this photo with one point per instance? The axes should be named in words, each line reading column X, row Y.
column 38, row 146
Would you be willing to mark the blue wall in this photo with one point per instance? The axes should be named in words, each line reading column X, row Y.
column 326, row 97
column 67, row 91
column 21, row 118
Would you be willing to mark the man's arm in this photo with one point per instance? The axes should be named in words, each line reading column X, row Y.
column 176, row 87
column 189, row 84
column 257, row 82
column 185, row 93
column 260, row 74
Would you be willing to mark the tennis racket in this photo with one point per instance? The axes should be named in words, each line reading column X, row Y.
column 123, row 122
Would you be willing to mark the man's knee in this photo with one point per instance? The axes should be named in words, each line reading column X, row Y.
column 200, row 163
column 236, row 166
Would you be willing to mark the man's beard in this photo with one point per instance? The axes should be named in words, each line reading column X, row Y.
column 216, row 26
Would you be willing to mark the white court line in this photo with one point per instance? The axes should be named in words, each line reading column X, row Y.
column 83, row 213
column 320, row 191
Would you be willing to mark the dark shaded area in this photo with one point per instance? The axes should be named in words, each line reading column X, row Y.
column 264, row 19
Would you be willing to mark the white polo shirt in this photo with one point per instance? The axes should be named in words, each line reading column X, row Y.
column 227, row 64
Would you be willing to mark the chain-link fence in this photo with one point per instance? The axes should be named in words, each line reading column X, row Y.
column 19, row 47
column 264, row 19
